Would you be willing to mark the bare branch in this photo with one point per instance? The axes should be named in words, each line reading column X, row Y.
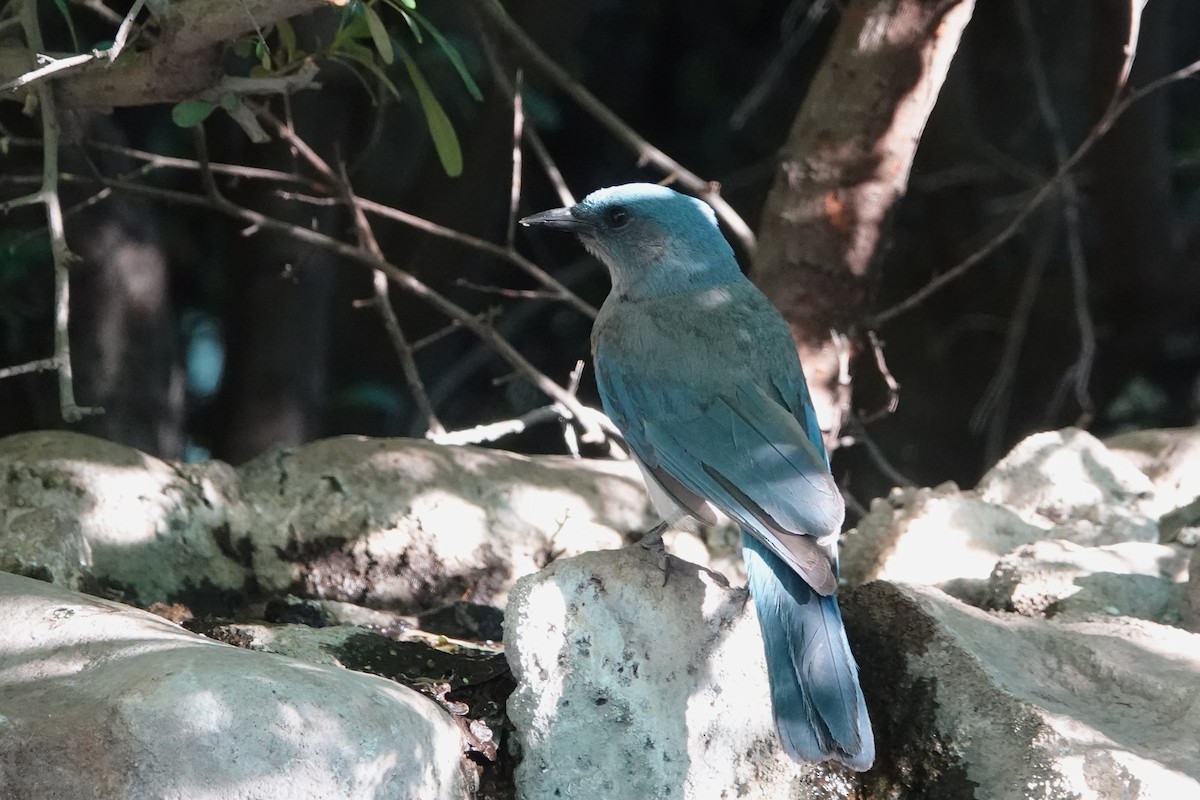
column 860, row 435
column 1116, row 109
column 564, row 294
column 41, row 365
column 514, row 198
column 993, row 407
column 889, row 380
column 708, row 191
column 184, row 62
column 68, row 408
column 523, row 294
column 383, row 304
column 51, row 66
column 486, row 318
column 1082, row 368
column 593, row 432
column 530, row 133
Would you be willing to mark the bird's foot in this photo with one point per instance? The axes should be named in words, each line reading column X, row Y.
column 652, row 540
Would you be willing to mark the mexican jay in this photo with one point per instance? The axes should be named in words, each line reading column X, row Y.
column 700, row 374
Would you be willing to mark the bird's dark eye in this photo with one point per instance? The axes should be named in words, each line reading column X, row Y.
column 617, row 216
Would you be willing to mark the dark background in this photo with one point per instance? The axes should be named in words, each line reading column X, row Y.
column 202, row 341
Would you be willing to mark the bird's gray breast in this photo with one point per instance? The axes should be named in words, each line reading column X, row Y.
column 708, row 341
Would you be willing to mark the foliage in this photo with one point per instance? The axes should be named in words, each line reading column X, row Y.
column 365, row 44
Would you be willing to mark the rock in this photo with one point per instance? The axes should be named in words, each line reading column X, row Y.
column 1069, row 482
column 87, row 514
column 1114, row 594
column 1182, row 524
column 407, row 524
column 102, row 701
column 1192, row 609
column 935, row 536
column 1055, row 577
column 631, row 689
column 971, row 704
column 1169, row 457
column 397, row 523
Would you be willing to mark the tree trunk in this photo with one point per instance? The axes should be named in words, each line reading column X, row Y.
column 842, row 169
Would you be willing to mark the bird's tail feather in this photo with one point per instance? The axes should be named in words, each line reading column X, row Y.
column 818, row 703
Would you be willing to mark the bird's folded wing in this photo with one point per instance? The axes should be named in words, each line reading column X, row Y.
column 744, row 452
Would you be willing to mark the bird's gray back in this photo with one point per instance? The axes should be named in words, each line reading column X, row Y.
column 709, row 341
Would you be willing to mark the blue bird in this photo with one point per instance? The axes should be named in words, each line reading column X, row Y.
column 700, row 374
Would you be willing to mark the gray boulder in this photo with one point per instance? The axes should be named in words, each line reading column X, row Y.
column 1054, row 577
column 1002, row 707
column 100, row 701
column 1067, row 481
column 629, row 688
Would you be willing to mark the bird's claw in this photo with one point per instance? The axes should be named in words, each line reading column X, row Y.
column 652, row 540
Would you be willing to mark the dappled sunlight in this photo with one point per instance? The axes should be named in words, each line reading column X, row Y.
column 199, row 719
column 628, row 679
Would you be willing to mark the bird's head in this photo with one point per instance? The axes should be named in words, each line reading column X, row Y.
column 654, row 240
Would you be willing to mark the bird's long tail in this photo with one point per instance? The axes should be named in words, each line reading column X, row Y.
column 819, row 707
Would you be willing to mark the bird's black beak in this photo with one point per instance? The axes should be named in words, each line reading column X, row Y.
column 560, row 218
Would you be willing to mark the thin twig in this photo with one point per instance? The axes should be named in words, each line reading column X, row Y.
column 126, row 27
column 570, row 437
column 536, row 145
column 207, row 179
column 814, row 12
column 24, row 200
column 286, row 133
column 993, row 407
column 41, row 365
column 859, row 432
column 1082, row 368
column 546, row 162
column 893, row 387
column 98, row 7
column 593, row 431
column 55, row 66
column 1117, row 108
column 524, row 294
column 514, row 196
column 50, row 66
column 383, row 304
column 496, row 430
column 70, row 211
column 62, row 255
column 485, row 318
column 709, row 191
column 561, row 292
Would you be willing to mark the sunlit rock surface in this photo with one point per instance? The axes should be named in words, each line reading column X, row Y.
column 87, row 514
column 628, row 687
column 632, row 688
column 99, row 701
column 1003, row 707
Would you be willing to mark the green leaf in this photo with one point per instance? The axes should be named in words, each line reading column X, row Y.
column 355, row 28
column 383, row 42
column 230, row 102
column 263, row 53
column 191, row 113
column 452, row 54
column 287, row 40
column 366, row 57
column 412, row 23
column 61, row 5
column 445, row 140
